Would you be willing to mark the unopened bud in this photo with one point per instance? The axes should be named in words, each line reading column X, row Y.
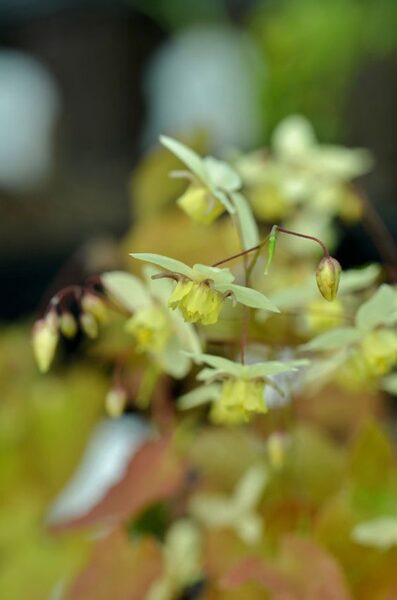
column 328, row 275
column 93, row 305
column 89, row 325
column 115, row 403
column 276, row 448
column 45, row 340
column 68, row 325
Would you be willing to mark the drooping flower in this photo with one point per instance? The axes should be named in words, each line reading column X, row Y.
column 157, row 331
column 366, row 350
column 237, row 391
column 379, row 350
column 151, row 329
column 211, row 179
column 201, row 290
column 301, row 172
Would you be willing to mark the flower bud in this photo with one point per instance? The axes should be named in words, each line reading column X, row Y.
column 276, row 449
column 93, row 305
column 115, row 403
column 68, row 325
column 328, row 275
column 45, row 340
column 89, row 325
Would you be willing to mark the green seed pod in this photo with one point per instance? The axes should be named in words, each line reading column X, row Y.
column 328, row 275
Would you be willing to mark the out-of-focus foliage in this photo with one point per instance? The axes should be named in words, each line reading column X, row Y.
column 268, row 472
column 313, row 50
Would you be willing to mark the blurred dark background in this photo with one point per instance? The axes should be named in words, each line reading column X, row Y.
column 87, row 86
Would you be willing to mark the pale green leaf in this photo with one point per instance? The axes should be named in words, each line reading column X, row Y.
column 250, row 487
column 200, row 395
column 389, row 384
column 192, row 160
column 321, row 371
column 293, row 137
column 206, row 374
column 377, row 309
column 334, row 339
column 217, row 362
column 221, row 175
column 274, row 368
column 173, row 360
column 170, row 264
column 127, row 289
column 248, row 297
column 379, row 533
column 247, row 223
column 215, row 273
column 357, row 279
column 222, row 196
column 213, row 510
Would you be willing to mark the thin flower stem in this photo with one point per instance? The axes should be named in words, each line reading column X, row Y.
column 239, row 254
column 263, row 242
column 306, row 237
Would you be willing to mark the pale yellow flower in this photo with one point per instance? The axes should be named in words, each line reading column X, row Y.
column 198, row 301
column 200, row 205
column 151, row 329
column 379, row 350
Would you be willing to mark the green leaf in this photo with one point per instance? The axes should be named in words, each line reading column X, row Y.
column 333, row 340
column 274, row 367
column 217, row 362
column 222, row 196
column 209, row 373
column 247, row 224
column 379, row 533
column 221, row 175
column 250, row 487
column 126, row 289
column 171, row 264
column 389, row 384
column 192, row 160
column 200, row 395
column 216, row 274
column 377, row 309
column 356, row 279
column 249, row 297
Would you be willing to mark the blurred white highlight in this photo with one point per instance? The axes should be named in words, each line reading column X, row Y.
column 29, row 107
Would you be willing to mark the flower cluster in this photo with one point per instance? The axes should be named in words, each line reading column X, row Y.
column 240, row 393
column 201, row 290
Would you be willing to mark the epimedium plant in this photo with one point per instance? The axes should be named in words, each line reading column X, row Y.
column 198, row 296
column 230, row 340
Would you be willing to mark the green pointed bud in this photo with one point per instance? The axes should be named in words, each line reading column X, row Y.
column 328, row 275
column 271, row 247
column 68, row 325
column 116, row 401
column 89, row 325
column 93, row 305
column 45, row 339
